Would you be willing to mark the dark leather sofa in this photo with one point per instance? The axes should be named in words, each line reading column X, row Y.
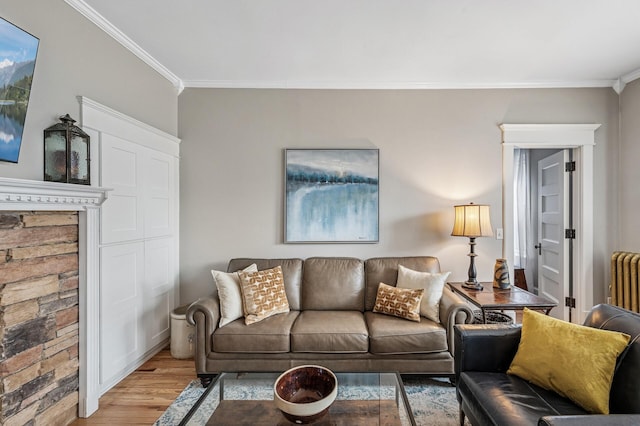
column 488, row 396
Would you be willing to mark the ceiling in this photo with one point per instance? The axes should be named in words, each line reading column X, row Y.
column 379, row 43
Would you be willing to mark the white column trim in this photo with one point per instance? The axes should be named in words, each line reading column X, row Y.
column 580, row 137
column 30, row 195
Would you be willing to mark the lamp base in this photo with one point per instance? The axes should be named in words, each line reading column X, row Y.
column 472, row 285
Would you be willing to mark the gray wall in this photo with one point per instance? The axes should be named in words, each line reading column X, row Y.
column 629, row 170
column 76, row 58
column 438, row 148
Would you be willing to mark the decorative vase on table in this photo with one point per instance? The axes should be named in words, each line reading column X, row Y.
column 501, row 275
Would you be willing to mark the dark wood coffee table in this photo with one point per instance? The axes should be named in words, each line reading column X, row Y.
column 247, row 399
column 511, row 299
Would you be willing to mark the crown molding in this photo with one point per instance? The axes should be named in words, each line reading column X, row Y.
column 101, row 22
column 625, row 79
column 382, row 85
column 629, row 77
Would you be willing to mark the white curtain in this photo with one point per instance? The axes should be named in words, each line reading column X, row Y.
column 522, row 209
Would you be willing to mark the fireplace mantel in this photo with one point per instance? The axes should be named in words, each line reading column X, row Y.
column 21, row 194
column 31, row 195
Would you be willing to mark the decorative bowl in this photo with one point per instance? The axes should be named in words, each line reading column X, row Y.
column 305, row 393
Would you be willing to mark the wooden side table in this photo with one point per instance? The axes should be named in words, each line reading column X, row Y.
column 520, row 279
column 511, row 299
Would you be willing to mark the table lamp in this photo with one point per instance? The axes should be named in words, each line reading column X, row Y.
column 472, row 220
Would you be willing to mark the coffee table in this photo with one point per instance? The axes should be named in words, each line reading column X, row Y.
column 511, row 299
column 247, row 399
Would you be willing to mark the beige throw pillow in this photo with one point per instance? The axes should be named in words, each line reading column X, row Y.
column 263, row 294
column 229, row 294
column 433, row 285
column 399, row 302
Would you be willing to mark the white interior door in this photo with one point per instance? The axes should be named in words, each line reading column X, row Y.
column 553, row 219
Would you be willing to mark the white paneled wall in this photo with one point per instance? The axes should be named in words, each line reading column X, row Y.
column 121, row 169
column 138, row 238
column 121, row 279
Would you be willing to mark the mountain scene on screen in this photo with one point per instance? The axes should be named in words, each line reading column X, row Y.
column 18, row 51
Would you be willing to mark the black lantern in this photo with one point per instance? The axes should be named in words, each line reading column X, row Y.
column 66, row 153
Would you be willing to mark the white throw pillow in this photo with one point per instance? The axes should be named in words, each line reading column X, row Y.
column 229, row 294
column 433, row 285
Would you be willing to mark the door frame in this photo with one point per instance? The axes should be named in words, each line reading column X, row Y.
column 580, row 138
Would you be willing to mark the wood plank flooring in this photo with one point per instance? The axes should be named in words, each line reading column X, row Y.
column 145, row 394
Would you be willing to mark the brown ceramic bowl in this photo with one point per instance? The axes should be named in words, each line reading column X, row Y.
column 305, row 393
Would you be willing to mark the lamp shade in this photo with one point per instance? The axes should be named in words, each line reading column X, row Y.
column 472, row 220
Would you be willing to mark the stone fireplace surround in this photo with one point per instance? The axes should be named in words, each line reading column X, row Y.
column 17, row 195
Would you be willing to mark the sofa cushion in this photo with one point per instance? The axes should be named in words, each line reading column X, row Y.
column 291, row 271
column 385, row 270
column 400, row 302
column 491, row 398
column 330, row 332
column 391, row 335
column 229, row 294
column 269, row 336
column 335, row 284
column 547, row 356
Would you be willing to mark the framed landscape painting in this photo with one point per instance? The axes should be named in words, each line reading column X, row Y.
column 331, row 195
column 18, row 51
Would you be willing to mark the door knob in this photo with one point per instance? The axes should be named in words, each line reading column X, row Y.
column 539, row 247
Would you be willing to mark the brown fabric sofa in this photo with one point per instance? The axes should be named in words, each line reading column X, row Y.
column 331, row 323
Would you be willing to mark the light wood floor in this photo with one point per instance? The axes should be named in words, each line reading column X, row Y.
column 145, row 394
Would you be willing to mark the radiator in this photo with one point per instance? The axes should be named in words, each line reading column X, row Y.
column 624, row 280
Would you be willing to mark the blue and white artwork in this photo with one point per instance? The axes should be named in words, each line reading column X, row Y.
column 331, row 195
column 18, row 51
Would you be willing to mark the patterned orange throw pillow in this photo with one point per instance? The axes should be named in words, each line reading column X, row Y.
column 263, row 294
column 399, row 302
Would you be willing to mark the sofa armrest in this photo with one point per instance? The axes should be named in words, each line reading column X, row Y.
column 591, row 419
column 204, row 313
column 485, row 347
column 453, row 310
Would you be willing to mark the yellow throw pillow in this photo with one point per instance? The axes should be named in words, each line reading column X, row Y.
column 263, row 294
column 575, row 361
column 399, row 302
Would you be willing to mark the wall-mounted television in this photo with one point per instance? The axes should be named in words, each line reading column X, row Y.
column 18, row 50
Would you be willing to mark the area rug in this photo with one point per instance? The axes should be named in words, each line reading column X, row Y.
column 433, row 401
